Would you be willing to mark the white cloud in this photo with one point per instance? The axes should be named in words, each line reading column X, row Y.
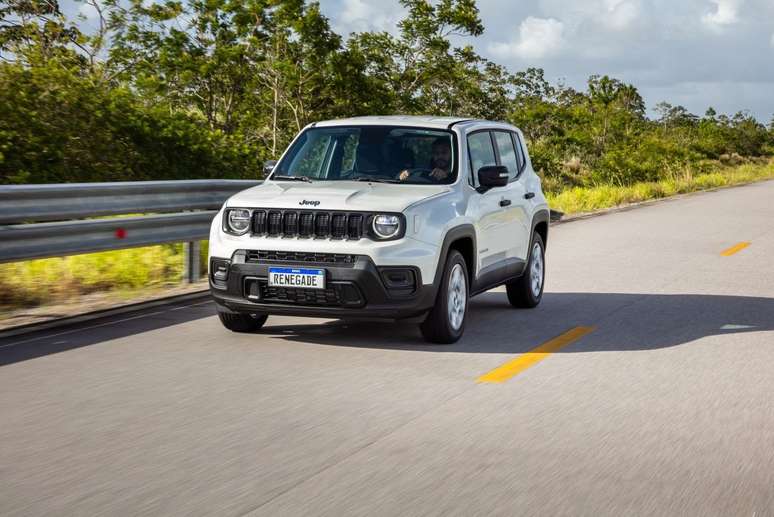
column 726, row 13
column 368, row 15
column 621, row 13
column 538, row 37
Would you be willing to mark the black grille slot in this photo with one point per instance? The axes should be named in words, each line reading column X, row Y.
column 322, row 223
column 285, row 257
column 259, row 222
column 290, row 226
column 327, row 296
column 339, row 226
column 275, row 223
column 308, row 224
column 306, row 227
column 355, row 226
column 335, row 295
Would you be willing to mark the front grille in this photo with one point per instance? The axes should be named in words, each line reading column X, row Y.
column 340, row 259
column 275, row 223
column 336, row 294
column 339, row 226
column 306, row 224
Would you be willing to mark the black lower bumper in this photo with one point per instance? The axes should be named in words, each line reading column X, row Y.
column 358, row 289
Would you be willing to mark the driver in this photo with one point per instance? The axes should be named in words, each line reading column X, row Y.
column 440, row 162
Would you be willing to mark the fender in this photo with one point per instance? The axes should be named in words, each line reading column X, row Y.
column 541, row 216
column 458, row 232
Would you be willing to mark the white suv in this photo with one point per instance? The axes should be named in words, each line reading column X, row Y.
column 384, row 217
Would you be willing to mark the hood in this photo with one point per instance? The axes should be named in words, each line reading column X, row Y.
column 335, row 195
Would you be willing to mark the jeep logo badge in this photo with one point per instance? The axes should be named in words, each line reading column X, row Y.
column 308, row 203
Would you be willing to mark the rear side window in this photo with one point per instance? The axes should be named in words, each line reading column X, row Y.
column 481, row 152
column 519, row 150
column 507, row 152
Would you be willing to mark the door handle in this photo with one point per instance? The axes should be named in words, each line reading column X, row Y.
column 529, row 195
column 505, row 202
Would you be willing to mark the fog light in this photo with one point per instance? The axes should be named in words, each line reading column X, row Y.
column 220, row 270
column 399, row 281
column 252, row 289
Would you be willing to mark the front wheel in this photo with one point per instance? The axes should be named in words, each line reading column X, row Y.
column 242, row 322
column 527, row 290
column 446, row 321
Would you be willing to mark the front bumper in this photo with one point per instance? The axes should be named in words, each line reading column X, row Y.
column 353, row 290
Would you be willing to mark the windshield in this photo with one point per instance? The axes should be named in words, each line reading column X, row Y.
column 370, row 153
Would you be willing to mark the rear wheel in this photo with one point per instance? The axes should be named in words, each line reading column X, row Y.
column 242, row 322
column 445, row 322
column 527, row 291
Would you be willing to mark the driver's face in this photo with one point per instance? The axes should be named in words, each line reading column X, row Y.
column 441, row 156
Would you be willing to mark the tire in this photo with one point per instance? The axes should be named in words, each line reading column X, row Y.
column 242, row 322
column 522, row 292
column 442, row 325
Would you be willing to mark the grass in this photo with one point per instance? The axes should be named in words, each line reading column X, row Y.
column 126, row 273
column 588, row 199
column 123, row 272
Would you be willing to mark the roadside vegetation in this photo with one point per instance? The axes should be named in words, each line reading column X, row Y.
column 186, row 89
column 124, row 272
column 577, row 200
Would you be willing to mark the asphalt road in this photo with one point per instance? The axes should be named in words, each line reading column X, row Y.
column 664, row 407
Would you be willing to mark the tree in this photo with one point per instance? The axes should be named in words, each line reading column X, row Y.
column 424, row 73
column 207, row 88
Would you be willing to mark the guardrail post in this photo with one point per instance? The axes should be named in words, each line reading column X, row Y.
column 191, row 272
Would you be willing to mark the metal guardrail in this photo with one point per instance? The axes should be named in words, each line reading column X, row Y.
column 38, row 221
column 61, row 201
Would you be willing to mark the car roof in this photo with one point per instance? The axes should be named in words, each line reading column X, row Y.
column 467, row 124
column 395, row 120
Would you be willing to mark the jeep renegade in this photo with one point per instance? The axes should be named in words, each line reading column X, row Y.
column 384, row 217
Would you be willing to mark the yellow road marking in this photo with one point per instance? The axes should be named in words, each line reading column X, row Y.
column 534, row 356
column 734, row 249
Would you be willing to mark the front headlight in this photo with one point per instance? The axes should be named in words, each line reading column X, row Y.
column 237, row 220
column 386, row 226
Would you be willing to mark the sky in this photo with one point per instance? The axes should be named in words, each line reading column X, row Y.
column 694, row 53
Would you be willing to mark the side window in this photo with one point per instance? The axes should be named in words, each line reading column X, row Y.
column 507, row 153
column 481, row 152
column 519, row 150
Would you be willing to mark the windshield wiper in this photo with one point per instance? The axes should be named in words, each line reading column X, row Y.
column 376, row 180
column 292, row 178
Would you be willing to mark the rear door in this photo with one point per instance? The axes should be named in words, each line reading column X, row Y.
column 515, row 204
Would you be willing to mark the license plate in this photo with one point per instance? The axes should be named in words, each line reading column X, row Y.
column 297, row 277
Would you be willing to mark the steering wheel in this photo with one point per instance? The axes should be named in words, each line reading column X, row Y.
column 420, row 174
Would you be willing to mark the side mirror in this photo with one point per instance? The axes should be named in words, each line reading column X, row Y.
column 268, row 166
column 491, row 176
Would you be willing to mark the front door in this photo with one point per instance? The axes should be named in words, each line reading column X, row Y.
column 490, row 214
column 516, row 210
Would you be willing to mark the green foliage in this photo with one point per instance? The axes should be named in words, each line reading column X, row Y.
column 57, row 125
column 194, row 89
column 41, row 281
column 588, row 199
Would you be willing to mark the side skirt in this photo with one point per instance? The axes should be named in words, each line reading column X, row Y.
column 497, row 275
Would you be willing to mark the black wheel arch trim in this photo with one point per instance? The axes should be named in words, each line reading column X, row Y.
column 541, row 216
column 463, row 231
